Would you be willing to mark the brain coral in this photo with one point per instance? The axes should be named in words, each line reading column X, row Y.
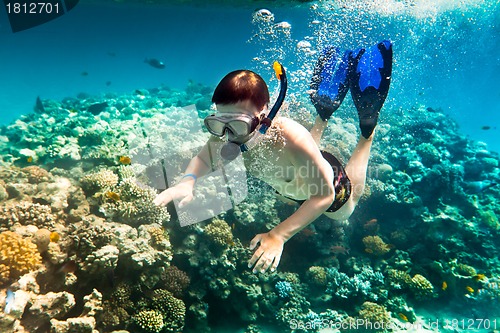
column 18, row 256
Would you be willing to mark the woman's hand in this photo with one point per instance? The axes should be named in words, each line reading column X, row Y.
column 268, row 254
column 182, row 192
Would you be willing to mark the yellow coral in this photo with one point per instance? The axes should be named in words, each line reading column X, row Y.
column 376, row 246
column 18, row 256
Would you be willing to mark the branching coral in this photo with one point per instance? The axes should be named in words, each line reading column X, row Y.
column 367, row 284
column 18, row 256
column 283, row 288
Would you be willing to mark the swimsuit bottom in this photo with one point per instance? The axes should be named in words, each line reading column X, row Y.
column 341, row 183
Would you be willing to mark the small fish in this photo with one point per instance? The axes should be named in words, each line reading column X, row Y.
column 308, row 232
column 112, row 54
column 29, row 159
column 113, row 196
column 84, row 73
column 125, row 160
column 9, row 301
column 155, row 63
column 469, row 289
column 54, row 237
column 371, row 226
column 403, row 317
column 480, row 277
column 39, row 105
column 338, row 249
column 108, row 83
column 478, row 186
column 444, row 286
column 485, row 128
column 97, row 108
column 67, row 267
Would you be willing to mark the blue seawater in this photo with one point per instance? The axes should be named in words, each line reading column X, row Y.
column 446, row 52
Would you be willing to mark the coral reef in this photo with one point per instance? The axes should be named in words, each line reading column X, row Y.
column 83, row 247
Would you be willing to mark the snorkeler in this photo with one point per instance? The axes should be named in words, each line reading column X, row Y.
column 283, row 153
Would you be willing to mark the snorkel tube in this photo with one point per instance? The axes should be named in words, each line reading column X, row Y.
column 266, row 122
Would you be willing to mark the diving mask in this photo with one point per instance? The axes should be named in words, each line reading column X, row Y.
column 238, row 125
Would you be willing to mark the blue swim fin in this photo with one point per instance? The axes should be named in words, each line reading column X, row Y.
column 370, row 77
column 330, row 81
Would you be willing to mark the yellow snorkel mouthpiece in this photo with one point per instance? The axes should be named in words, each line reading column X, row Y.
column 278, row 69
